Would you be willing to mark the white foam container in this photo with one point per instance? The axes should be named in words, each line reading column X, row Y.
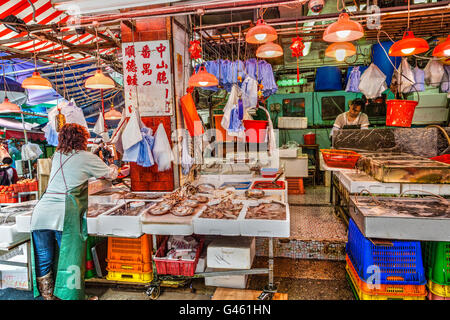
column 119, row 226
column 168, row 228
column 295, row 167
column 9, row 235
column 217, row 226
column 264, row 227
column 365, row 181
column 231, row 253
column 292, row 122
column 23, row 223
column 440, row 189
column 234, row 281
column 288, row 153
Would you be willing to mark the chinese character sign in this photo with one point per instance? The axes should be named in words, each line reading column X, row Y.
column 147, row 77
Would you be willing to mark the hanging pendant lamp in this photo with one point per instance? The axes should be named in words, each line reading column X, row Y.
column 113, row 114
column 343, row 30
column 269, row 50
column 203, row 79
column 442, row 49
column 7, row 107
column 36, row 82
column 261, row 33
column 408, row 46
column 99, row 81
column 340, row 50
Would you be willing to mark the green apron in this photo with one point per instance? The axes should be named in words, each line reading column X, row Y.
column 71, row 265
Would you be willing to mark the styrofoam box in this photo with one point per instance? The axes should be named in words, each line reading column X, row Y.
column 217, row 226
column 273, row 191
column 231, row 253
column 168, row 229
column 295, row 167
column 234, row 281
column 292, row 122
column 23, row 223
column 288, row 153
column 218, row 179
column 119, row 226
column 355, row 182
column 266, row 228
column 9, row 235
column 440, row 189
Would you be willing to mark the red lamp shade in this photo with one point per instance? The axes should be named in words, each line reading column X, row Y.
column 442, row 49
column 203, row 79
column 36, row 82
column 261, row 33
column 340, row 50
column 408, row 46
column 113, row 114
column 269, row 50
column 343, row 30
column 7, row 107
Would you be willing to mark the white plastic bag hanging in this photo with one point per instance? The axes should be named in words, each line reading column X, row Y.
column 445, row 85
column 434, row 71
column 132, row 132
column 186, row 160
column 99, row 127
column 31, row 151
column 373, row 82
column 405, row 76
column 162, row 152
column 419, row 79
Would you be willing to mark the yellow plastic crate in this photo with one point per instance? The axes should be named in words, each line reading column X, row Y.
column 145, row 277
column 364, row 296
column 438, row 289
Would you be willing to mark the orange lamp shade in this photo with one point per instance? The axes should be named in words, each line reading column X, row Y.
column 408, row 46
column 343, row 30
column 113, row 114
column 261, row 33
column 6, row 107
column 269, row 50
column 99, row 81
column 340, row 50
column 203, row 79
column 36, row 82
column 442, row 49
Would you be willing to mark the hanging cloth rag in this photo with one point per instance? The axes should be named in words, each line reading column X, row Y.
column 145, row 156
column 236, row 127
column 232, row 101
column 162, row 152
column 353, row 80
column 249, row 92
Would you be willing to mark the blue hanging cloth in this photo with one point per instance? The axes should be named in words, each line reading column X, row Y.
column 353, row 80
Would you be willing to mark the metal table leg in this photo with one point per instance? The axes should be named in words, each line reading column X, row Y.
column 271, row 288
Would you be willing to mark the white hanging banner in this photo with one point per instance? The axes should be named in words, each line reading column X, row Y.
column 147, row 77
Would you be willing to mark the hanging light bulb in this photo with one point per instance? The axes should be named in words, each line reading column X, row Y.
column 203, row 79
column 7, row 107
column 442, row 49
column 113, row 114
column 261, row 33
column 340, row 50
column 343, row 30
column 409, row 45
column 269, row 50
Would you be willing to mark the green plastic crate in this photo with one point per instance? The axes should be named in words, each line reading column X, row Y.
column 437, row 262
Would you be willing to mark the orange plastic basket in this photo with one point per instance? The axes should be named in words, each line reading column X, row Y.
column 340, row 158
column 130, row 250
column 121, row 266
column 387, row 289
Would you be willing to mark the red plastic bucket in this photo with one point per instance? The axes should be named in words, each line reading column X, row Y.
column 400, row 112
column 309, row 138
column 255, row 130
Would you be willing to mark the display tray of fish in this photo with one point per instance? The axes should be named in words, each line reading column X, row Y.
column 133, row 208
column 223, row 210
column 268, row 211
column 98, row 208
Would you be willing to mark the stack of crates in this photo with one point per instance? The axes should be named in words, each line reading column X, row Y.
column 391, row 271
column 437, row 268
column 129, row 259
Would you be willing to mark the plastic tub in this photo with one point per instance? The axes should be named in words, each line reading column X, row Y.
column 309, row 138
column 279, row 183
column 269, row 172
column 340, row 158
column 255, row 130
column 444, row 158
column 400, row 112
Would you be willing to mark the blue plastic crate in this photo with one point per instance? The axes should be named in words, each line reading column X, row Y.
column 400, row 263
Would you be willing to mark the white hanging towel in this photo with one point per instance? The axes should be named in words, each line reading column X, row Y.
column 132, row 132
column 162, row 152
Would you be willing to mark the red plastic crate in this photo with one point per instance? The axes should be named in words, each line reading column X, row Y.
column 176, row 267
column 340, row 158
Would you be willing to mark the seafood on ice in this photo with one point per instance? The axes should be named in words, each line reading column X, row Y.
column 223, row 210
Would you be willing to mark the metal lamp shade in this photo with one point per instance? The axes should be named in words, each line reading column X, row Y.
column 99, row 81
column 269, row 50
column 343, row 30
column 36, row 82
column 408, row 46
column 203, row 79
column 261, row 33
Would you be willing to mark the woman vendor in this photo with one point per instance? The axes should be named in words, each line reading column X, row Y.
column 59, row 217
column 353, row 118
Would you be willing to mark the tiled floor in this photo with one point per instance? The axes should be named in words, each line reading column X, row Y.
column 319, row 195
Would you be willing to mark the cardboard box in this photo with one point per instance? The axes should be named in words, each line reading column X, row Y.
column 234, row 281
column 231, row 253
